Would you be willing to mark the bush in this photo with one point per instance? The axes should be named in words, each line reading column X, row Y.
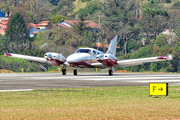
column 161, row 40
column 57, row 18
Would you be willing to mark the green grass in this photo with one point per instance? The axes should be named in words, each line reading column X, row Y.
column 90, row 103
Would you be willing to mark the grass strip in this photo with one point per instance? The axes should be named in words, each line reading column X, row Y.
column 90, row 103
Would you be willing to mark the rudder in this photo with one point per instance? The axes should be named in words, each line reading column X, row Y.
column 112, row 46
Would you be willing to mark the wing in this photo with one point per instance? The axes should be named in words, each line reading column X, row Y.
column 126, row 63
column 38, row 59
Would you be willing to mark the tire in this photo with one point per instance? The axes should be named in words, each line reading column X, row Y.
column 75, row 72
column 110, row 72
column 64, row 71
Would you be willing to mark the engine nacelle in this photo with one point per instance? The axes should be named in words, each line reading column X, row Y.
column 100, row 58
column 107, row 59
column 55, row 58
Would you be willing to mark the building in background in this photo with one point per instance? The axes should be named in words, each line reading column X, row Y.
column 3, row 27
column 36, row 28
column 69, row 24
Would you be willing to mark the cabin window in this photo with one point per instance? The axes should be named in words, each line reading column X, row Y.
column 1, row 28
column 94, row 53
column 83, row 51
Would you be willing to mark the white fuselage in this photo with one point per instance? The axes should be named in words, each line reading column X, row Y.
column 85, row 57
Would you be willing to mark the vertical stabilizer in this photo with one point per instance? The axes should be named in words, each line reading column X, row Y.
column 112, row 46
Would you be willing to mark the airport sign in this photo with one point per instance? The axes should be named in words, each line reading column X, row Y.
column 158, row 89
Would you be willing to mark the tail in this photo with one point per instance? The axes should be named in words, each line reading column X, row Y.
column 112, row 46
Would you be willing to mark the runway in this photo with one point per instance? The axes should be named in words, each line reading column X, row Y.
column 30, row 81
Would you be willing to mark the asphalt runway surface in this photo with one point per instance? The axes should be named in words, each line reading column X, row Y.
column 30, row 81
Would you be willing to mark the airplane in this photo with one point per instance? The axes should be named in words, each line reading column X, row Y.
column 90, row 58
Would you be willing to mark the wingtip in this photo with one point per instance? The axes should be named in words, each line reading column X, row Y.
column 169, row 57
column 7, row 54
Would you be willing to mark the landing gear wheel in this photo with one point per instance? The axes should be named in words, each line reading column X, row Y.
column 110, row 72
column 64, row 71
column 75, row 72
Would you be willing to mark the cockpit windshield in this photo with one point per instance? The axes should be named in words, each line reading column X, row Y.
column 83, row 51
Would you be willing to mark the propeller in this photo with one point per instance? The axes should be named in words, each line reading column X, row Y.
column 42, row 67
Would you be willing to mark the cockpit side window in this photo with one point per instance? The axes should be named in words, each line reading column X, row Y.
column 83, row 51
column 94, row 53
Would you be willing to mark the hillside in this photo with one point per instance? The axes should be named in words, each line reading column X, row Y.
column 141, row 25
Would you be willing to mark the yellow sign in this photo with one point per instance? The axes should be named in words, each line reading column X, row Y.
column 158, row 89
column 59, row 68
column 96, row 69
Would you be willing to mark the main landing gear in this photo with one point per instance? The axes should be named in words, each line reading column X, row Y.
column 110, row 72
column 64, row 70
column 75, row 72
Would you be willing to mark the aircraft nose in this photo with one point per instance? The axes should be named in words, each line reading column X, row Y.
column 71, row 59
column 77, row 58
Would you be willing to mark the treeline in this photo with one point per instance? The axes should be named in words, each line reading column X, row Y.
column 17, row 40
column 138, row 24
column 16, row 65
column 152, row 51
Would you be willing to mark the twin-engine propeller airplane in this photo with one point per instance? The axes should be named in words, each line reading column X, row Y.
column 90, row 58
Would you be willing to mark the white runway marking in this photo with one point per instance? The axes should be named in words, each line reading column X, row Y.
column 138, row 78
column 97, row 78
column 156, row 81
column 16, row 90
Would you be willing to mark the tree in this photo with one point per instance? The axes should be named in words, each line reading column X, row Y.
column 54, row 2
column 7, row 6
column 161, row 40
column 57, row 18
column 119, row 19
column 152, row 26
column 4, row 43
column 65, row 7
column 90, row 8
column 80, row 26
column 126, row 35
column 39, row 9
column 22, row 9
column 18, row 33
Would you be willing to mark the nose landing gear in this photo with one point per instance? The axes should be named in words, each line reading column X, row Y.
column 64, row 71
column 110, row 72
